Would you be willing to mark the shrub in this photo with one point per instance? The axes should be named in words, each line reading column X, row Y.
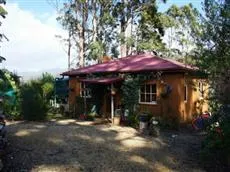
column 133, row 120
column 130, row 93
column 33, row 104
column 12, row 111
column 9, row 91
column 169, row 122
column 216, row 144
column 90, row 117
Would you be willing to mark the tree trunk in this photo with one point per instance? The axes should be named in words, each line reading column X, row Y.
column 69, row 49
column 81, row 47
column 128, row 34
column 123, row 22
column 81, row 8
column 94, row 11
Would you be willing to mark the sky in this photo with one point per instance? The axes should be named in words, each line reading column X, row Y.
column 31, row 27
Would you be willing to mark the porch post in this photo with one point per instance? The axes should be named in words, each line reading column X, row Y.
column 112, row 103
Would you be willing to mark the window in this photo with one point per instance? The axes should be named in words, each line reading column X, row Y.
column 201, row 89
column 84, row 91
column 148, row 93
column 185, row 93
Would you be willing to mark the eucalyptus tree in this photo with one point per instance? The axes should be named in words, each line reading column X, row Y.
column 3, row 14
column 90, row 25
column 213, row 57
column 150, row 29
column 99, row 27
column 184, row 28
column 139, row 23
column 213, row 54
column 73, row 17
column 104, row 30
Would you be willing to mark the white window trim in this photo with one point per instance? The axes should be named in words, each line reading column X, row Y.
column 82, row 83
column 148, row 103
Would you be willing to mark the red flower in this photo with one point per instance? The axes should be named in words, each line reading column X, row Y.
column 82, row 117
column 219, row 131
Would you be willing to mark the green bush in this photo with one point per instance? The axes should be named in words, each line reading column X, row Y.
column 9, row 91
column 217, row 143
column 33, row 103
column 130, row 93
column 169, row 122
column 12, row 111
column 90, row 117
column 133, row 120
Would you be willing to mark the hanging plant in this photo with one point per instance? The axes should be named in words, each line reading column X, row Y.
column 166, row 91
column 113, row 91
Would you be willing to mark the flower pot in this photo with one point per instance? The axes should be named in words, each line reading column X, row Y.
column 116, row 120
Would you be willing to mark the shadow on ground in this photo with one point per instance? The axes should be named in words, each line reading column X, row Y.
column 77, row 146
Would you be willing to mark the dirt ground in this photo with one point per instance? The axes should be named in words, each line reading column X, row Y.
column 69, row 145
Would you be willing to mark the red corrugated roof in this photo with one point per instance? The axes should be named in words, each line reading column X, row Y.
column 132, row 63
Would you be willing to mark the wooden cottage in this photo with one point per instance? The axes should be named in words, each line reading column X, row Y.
column 168, row 87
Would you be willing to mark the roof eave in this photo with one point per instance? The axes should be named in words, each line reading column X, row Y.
column 131, row 71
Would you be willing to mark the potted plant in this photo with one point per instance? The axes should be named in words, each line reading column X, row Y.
column 166, row 91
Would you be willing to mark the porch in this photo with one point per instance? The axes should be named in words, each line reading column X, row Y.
column 103, row 93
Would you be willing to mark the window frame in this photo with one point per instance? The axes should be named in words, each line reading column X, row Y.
column 85, row 90
column 201, row 89
column 185, row 93
column 151, row 93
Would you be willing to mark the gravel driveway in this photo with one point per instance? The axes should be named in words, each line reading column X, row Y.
column 69, row 145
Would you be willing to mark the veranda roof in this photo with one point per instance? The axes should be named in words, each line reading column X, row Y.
column 102, row 80
column 132, row 63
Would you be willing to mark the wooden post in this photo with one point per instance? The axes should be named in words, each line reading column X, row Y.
column 112, row 103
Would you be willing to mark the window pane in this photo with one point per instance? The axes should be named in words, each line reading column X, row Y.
column 89, row 93
column 201, row 90
column 85, row 92
column 154, row 89
column 142, row 88
column 148, row 98
column 154, row 97
column 148, row 88
column 148, row 93
column 185, row 93
column 142, row 97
